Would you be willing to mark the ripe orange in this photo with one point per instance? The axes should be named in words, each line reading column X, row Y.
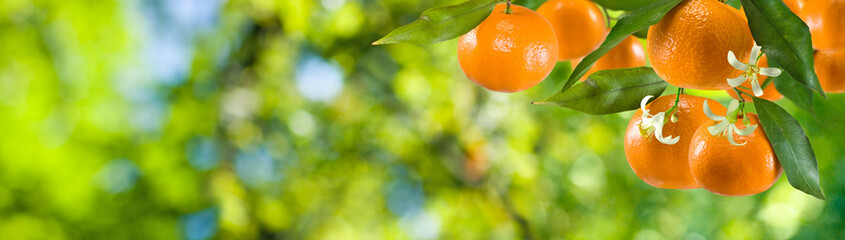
column 769, row 92
column 830, row 67
column 509, row 52
column 658, row 164
column 689, row 47
column 826, row 19
column 579, row 26
column 730, row 170
column 629, row 53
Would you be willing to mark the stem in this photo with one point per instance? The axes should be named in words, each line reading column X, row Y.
column 508, row 8
column 606, row 17
column 672, row 116
column 739, row 95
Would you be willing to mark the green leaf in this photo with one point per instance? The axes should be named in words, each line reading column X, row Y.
column 784, row 38
column 532, row 4
column 442, row 23
column 628, row 24
column 642, row 34
column 623, row 4
column 792, row 90
column 610, row 91
column 791, row 146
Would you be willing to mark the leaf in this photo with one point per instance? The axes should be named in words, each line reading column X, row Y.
column 784, row 38
column 532, row 4
column 623, row 4
column 442, row 23
column 792, row 90
column 628, row 24
column 610, row 91
column 791, row 146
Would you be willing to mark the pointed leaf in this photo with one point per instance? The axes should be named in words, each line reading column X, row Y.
column 610, row 91
column 791, row 146
column 442, row 23
column 792, row 89
column 784, row 38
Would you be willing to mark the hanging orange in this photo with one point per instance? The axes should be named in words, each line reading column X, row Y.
column 509, row 52
column 689, row 47
column 579, row 26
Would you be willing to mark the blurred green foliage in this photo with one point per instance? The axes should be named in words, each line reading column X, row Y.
column 168, row 119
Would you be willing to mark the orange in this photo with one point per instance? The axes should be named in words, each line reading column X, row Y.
column 730, row 170
column 579, row 26
column 830, row 67
column 629, row 53
column 509, row 52
column 826, row 19
column 658, row 164
column 689, row 47
column 769, row 92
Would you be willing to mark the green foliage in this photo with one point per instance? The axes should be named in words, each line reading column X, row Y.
column 623, row 4
column 610, row 91
column 792, row 89
column 791, row 145
column 442, row 23
column 785, row 39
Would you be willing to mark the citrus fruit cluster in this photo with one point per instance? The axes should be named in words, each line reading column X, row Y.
column 516, row 48
column 692, row 141
column 676, row 141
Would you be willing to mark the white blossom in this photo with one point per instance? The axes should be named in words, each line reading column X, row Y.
column 653, row 124
column 750, row 71
column 727, row 126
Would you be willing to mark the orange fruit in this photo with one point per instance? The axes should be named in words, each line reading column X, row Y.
column 689, row 47
column 509, row 52
column 579, row 26
column 830, row 67
column 769, row 92
column 629, row 53
column 662, row 165
column 826, row 19
column 730, row 170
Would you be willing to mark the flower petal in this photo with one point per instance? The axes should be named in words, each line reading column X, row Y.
column 734, row 105
column 710, row 113
column 643, row 102
column 737, row 81
column 715, row 130
column 755, row 86
column 669, row 140
column 746, row 131
column 658, row 131
column 771, row 72
column 731, row 137
column 735, row 62
column 755, row 52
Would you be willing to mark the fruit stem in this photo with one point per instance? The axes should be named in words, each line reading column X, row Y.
column 674, row 117
column 508, row 8
column 739, row 95
column 606, row 17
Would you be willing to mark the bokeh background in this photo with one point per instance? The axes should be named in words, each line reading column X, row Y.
column 276, row 119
